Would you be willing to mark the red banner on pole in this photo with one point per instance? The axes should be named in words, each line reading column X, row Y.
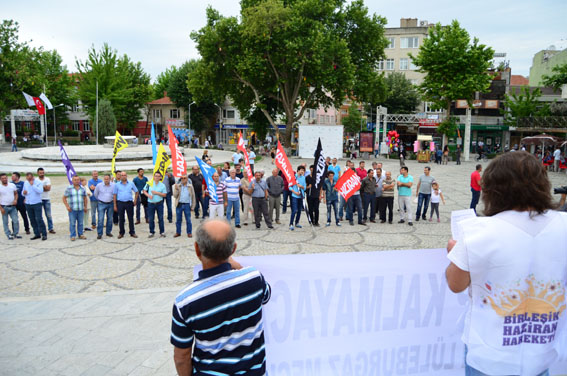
column 348, row 184
column 283, row 164
column 39, row 106
column 178, row 163
column 242, row 148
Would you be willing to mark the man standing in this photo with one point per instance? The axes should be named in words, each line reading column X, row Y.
column 260, row 200
column 378, row 191
column 475, row 187
column 233, row 199
column 313, row 197
column 331, row 197
column 251, row 157
column 556, row 159
column 275, row 188
column 336, row 169
column 21, row 206
column 45, row 200
column 197, row 183
column 297, row 192
column 423, row 193
column 8, row 203
column 33, row 188
column 75, row 200
column 169, row 181
column 216, row 208
column 236, row 157
column 368, row 189
column 361, row 171
column 124, row 204
column 94, row 204
column 354, row 202
column 387, row 198
column 184, row 193
column 198, row 306
column 140, row 182
column 405, row 181
column 104, row 194
column 156, row 194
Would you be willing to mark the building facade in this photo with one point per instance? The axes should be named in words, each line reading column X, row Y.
column 542, row 64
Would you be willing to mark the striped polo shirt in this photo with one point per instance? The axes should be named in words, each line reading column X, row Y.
column 221, row 315
column 221, row 188
column 232, row 188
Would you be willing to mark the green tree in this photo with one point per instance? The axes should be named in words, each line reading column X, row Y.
column 401, row 95
column 162, row 81
column 120, row 80
column 58, row 84
column 526, row 103
column 558, row 78
column 301, row 53
column 455, row 67
column 106, row 120
column 353, row 121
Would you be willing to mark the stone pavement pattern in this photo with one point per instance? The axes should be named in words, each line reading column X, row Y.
column 99, row 307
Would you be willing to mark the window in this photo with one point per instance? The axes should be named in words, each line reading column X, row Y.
column 174, row 113
column 76, row 124
column 381, row 65
column 412, row 65
column 228, row 114
column 389, row 64
column 391, row 43
column 157, row 114
column 76, row 107
column 404, row 64
column 86, row 126
column 409, row 42
column 429, row 108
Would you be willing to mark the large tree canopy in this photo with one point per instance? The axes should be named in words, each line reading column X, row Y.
column 120, row 80
column 402, row 96
column 455, row 68
column 525, row 103
column 300, row 53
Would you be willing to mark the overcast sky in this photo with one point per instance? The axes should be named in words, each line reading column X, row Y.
column 156, row 32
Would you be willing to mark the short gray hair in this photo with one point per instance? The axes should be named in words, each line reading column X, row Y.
column 213, row 247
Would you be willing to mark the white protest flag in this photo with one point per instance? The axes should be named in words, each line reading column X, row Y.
column 47, row 102
column 29, row 99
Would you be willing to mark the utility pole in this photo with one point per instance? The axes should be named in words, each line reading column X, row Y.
column 96, row 112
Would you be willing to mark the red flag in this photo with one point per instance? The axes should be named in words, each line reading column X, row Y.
column 39, row 106
column 178, row 163
column 283, row 164
column 242, row 148
column 348, row 184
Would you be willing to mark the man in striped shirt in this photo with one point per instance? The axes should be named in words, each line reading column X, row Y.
column 217, row 326
column 216, row 208
column 233, row 199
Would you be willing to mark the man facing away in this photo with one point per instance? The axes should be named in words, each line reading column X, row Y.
column 45, row 199
column 75, row 200
column 104, row 193
column 197, row 182
column 217, row 326
column 124, row 204
column 184, row 194
column 8, row 202
column 475, row 187
column 33, row 188
column 156, row 193
column 404, row 183
column 330, row 194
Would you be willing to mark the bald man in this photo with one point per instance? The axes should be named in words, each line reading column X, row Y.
column 224, row 291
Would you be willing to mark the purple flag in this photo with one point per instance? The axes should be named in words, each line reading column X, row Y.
column 67, row 163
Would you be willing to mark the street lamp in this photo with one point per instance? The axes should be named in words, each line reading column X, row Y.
column 189, row 119
column 55, row 125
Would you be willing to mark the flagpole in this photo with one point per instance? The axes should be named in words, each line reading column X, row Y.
column 96, row 116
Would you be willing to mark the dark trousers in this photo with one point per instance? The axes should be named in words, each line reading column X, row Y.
column 422, row 200
column 313, row 208
column 36, row 219
column 260, row 205
column 22, row 209
column 206, row 206
column 286, row 196
column 352, row 203
column 152, row 209
column 198, row 203
column 387, row 203
column 379, row 203
column 169, row 209
column 369, row 202
column 126, row 208
column 138, row 204
column 475, row 199
column 296, row 208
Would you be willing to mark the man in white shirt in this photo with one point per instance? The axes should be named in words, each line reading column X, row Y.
column 45, row 200
column 556, row 159
column 8, row 203
column 251, row 156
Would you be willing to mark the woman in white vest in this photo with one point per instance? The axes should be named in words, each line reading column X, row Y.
column 514, row 262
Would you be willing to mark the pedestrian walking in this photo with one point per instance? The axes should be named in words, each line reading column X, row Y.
column 14, row 144
column 8, row 207
column 21, row 206
column 184, row 195
column 260, row 200
column 33, row 188
column 104, row 193
column 404, row 183
column 458, row 154
column 275, row 189
column 76, row 201
column 475, row 186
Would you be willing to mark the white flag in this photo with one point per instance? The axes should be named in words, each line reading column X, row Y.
column 46, row 101
column 29, row 99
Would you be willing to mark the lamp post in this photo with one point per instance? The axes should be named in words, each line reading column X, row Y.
column 189, row 118
column 220, row 121
column 55, row 125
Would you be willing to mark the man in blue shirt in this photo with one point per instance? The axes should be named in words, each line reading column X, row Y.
column 105, row 196
column 94, row 203
column 331, row 197
column 184, row 193
column 155, row 194
column 405, row 181
column 21, row 206
column 33, row 188
column 297, row 192
column 140, row 182
column 124, row 204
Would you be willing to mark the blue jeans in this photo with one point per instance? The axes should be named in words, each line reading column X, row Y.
column 12, row 212
column 108, row 210
column 94, row 212
column 475, row 199
column 14, row 147
column 296, row 208
column 342, row 204
column 353, row 201
column 286, row 195
column 229, row 206
column 138, row 204
column 47, row 207
column 179, row 211
column 332, row 204
column 422, row 199
column 152, row 209
column 76, row 222
column 169, row 212
column 36, row 219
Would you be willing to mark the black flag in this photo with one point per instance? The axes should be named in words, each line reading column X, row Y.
column 320, row 170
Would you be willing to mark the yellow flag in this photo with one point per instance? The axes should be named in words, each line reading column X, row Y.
column 162, row 163
column 119, row 144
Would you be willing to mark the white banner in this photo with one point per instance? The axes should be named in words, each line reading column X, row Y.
column 366, row 313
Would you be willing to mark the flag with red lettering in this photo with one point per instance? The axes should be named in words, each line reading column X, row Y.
column 283, row 164
column 348, row 184
column 39, row 106
column 242, row 148
column 178, row 163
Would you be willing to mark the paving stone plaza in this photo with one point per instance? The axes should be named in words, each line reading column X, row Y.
column 98, row 307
